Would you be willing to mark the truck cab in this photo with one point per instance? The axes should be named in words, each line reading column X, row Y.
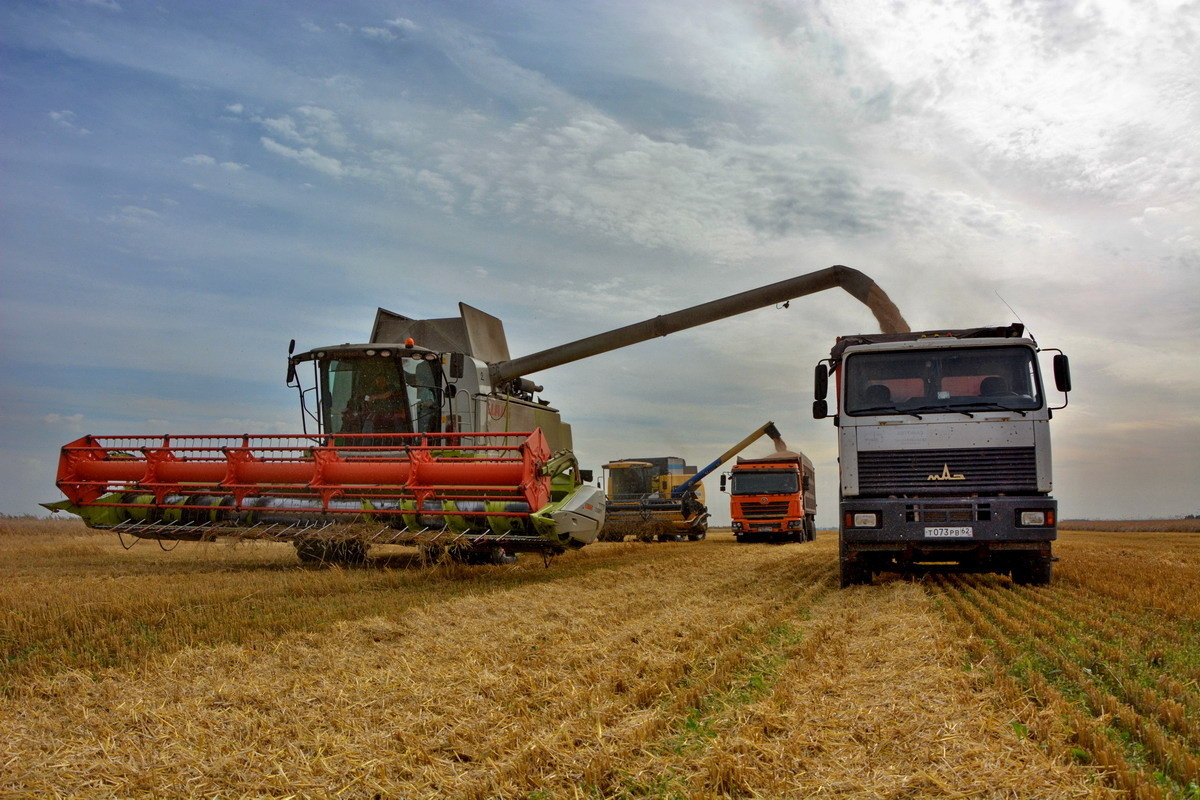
column 772, row 499
column 944, row 452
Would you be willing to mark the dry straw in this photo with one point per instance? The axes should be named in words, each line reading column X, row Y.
column 705, row 669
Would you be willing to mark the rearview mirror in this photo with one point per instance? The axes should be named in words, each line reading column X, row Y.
column 291, row 369
column 821, row 382
column 820, row 409
column 1062, row 373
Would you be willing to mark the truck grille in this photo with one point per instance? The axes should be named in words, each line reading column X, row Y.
column 767, row 511
column 1011, row 470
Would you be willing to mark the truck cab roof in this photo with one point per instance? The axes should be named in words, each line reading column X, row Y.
column 930, row 338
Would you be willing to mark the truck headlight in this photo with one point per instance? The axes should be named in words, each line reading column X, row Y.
column 862, row 519
column 796, row 523
column 737, row 526
column 1036, row 519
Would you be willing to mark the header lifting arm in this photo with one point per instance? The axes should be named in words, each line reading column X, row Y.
column 769, row 429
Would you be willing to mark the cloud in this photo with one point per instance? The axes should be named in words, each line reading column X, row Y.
column 311, row 125
column 107, row 5
column 200, row 160
column 403, row 24
column 66, row 119
column 72, row 422
column 379, row 34
column 306, row 156
column 134, row 216
column 235, row 108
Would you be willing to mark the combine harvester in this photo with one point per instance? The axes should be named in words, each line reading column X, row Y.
column 427, row 435
column 662, row 499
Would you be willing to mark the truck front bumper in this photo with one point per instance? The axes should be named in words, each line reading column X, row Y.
column 982, row 533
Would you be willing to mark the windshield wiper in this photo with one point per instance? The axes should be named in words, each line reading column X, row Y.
column 945, row 408
column 893, row 409
column 992, row 405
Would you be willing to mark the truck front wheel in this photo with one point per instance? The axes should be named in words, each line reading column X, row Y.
column 1033, row 570
column 854, row 573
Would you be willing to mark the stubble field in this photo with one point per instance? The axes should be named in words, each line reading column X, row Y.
column 687, row 670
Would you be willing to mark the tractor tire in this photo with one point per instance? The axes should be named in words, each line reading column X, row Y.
column 697, row 536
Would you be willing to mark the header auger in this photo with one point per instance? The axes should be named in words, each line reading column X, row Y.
column 413, row 444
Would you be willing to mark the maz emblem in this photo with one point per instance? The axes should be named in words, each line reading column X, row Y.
column 946, row 476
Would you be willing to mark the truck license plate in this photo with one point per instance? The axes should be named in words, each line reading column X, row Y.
column 949, row 533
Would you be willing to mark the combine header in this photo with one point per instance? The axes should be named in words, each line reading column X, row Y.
column 414, row 443
column 461, row 491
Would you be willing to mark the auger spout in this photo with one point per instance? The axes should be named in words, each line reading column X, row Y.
column 853, row 281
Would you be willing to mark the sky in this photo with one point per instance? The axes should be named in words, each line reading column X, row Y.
column 185, row 186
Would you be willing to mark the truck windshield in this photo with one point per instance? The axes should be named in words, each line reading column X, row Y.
column 962, row 379
column 764, row 482
column 376, row 395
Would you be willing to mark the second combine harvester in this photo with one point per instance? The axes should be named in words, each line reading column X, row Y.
column 427, row 435
column 662, row 498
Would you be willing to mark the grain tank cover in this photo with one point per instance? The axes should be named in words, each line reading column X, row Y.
column 475, row 333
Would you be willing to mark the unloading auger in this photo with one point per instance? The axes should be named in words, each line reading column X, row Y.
column 427, row 435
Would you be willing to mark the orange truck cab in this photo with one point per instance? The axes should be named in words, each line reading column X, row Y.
column 772, row 499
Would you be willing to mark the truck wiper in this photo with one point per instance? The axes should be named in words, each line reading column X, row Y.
column 945, row 407
column 992, row 405
column 874, row 409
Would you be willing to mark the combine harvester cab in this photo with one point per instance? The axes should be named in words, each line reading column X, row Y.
column 427, row 435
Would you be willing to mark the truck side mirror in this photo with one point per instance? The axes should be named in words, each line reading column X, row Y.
column 586, row 475
column 457, row 366
column 1062, row 373
column 722, row 483
column 820, row 409
column 821, row 383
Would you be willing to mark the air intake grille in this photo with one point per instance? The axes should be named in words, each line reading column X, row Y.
column 1011, row 470
column 767, row 511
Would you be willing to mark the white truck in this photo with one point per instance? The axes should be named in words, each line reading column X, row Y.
column 944, row 452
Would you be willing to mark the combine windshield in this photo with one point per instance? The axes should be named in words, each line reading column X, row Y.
column 630, row 481
column 961, row 380
column 764, row 482
column 378, row 395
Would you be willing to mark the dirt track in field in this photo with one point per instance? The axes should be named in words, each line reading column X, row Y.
column 704, row 669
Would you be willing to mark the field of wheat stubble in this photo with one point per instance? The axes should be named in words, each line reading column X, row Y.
column 624, row 670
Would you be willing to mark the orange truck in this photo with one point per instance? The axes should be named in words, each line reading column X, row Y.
column 773, row 499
